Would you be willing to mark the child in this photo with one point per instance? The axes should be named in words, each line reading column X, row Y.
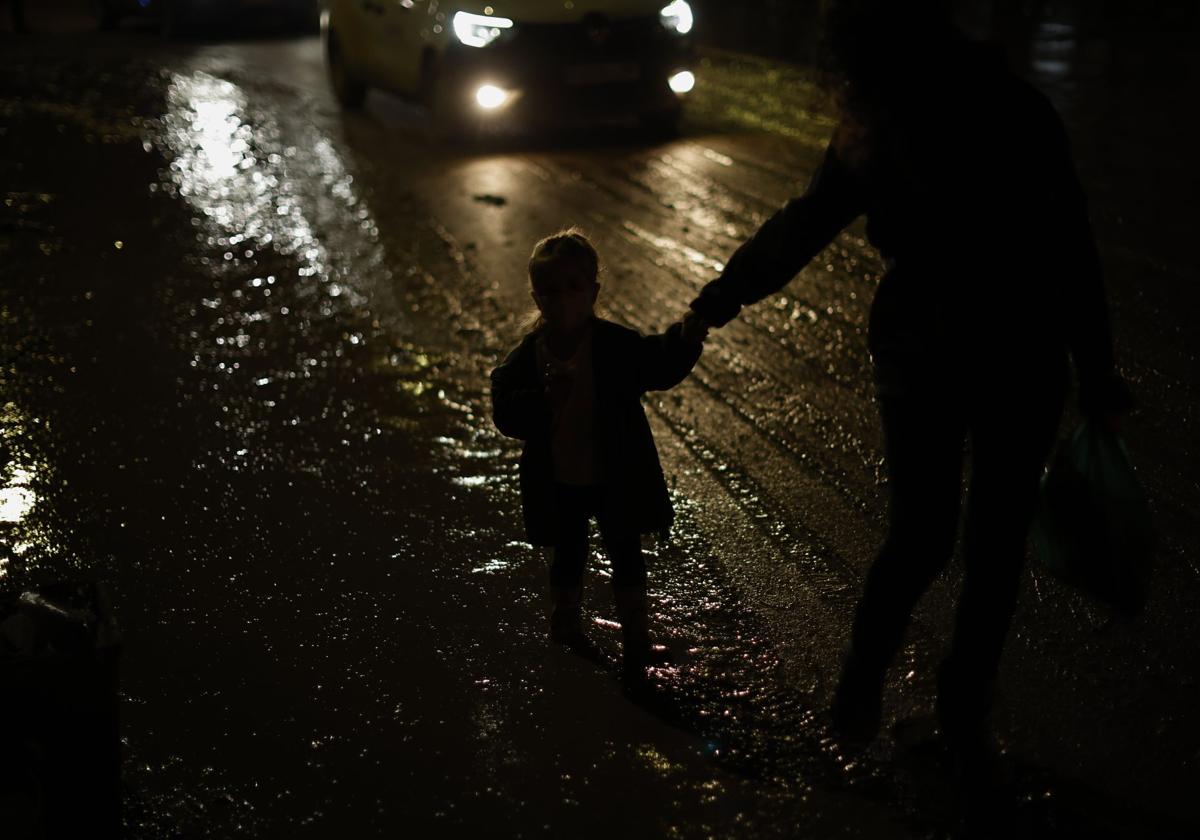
column 572, row 391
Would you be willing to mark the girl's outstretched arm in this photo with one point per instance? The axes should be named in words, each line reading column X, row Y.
column 665, row 359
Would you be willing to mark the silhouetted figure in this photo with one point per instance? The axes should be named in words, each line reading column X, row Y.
column 572, row 392
column 16, row 11
column 964, row 174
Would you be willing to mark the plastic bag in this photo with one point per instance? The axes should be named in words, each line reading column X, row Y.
column 1093, row 527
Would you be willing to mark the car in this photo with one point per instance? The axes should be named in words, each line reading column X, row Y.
column 524, row 62
column 178, row 16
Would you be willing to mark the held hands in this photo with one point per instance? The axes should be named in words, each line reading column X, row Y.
column 694, row 327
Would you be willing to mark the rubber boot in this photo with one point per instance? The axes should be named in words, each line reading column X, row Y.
column 964, row 700
column 986, row 796
column 637, row 652
column 857, row 709
column 566, row 621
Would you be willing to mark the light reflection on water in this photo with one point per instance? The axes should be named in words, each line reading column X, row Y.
column 480, row 480
column 457, row 448
column 235, row 171
column 16, row 499
column 681, row 178
column 493, row 566
column 700, row 262
column 278, row 217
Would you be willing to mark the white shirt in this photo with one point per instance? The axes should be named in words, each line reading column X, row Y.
column 573, row 425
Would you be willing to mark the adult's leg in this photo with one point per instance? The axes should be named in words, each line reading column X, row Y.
column 923, row 446
column 18, row 17
column 1010, row 442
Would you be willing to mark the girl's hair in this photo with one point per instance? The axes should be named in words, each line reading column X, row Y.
column 568, row 248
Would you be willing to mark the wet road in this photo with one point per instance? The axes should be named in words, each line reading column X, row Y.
column 246, row 340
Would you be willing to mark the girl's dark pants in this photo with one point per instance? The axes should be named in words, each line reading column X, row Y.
column 577, row 505
column 1010, row 432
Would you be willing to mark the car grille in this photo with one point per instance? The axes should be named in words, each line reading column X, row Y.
column 596, row 35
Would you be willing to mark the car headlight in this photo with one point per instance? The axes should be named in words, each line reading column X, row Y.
column 682, row 82
column 479, row 30
column 677, row 17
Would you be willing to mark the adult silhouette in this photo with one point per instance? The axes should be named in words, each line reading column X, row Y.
column 16, row 13
column 993, row 283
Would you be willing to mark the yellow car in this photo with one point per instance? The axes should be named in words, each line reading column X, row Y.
column 524, row 62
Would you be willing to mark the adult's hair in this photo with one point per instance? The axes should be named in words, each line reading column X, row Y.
column 879, row 56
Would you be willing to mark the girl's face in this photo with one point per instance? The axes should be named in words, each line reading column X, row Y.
column 566, row 298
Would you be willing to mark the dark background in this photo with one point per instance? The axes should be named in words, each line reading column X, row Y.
column 787, row 29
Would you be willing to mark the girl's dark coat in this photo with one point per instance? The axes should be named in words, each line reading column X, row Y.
column 626, row 365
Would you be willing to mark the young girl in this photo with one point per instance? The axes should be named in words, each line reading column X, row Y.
column 572, row 392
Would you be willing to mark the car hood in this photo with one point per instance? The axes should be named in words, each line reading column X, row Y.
column 556, row 11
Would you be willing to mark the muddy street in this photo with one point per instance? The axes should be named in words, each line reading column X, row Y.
column 246, row 337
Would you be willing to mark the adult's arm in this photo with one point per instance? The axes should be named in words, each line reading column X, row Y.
column 785, row 243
